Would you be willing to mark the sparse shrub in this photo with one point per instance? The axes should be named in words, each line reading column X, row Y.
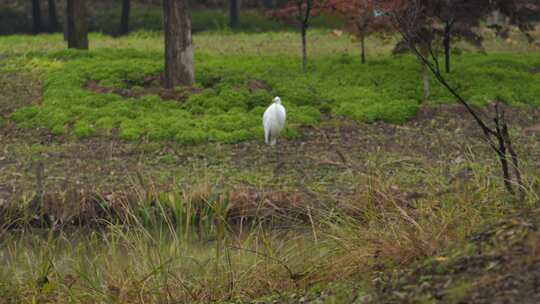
column 259, row 98
column 191, row 136
column 24, row 114
column 129, row 130
column 233, row 98
column 299, row 92
column 291, row 133
column 83, row 129
column 106, row 123
column 305, row 115
column 59, row 130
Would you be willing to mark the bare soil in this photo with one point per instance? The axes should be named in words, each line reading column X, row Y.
column 148, row 88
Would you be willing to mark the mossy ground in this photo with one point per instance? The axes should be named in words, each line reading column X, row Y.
column 225, row 108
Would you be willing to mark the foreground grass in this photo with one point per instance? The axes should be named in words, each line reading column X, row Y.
column 168, row 250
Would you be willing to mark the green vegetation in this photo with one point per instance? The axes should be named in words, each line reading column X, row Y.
column 230, row 99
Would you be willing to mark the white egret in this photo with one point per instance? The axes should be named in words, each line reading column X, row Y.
column 273, row 121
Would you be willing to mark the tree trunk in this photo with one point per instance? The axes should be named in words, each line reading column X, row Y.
column 234, row 14
column 65, row 29
column 36, row 16
column 124, row 22
column 363, row 48
column 446, row 42
column 304, row 48
column 54, row 25
column 179, row 65
column 425, row 78
column 268, row 4
column 425, row 74
column 77, row 25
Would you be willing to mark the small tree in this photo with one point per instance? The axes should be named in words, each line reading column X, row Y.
column 458, row 19
column 124, row 21
column 36, row 16
column 54, row 25
column 408, row 20
column 179, row 65
column 361, row 19
column 77, row 24
column 301, row 11
column 304, row 8
column 234, row 14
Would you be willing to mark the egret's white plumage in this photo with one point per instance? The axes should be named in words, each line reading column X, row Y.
column 273, row 121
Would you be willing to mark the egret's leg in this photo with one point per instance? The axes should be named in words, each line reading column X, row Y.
column 279, row 161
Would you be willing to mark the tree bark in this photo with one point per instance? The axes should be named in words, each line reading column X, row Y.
column 65, row 28
column 363, row 48
column 77, row 25
column 54, row 25
column 303, row 18
column 36, row 16
column 425, row 79
column 234, row 13
column 179, row 63
column 446, row 43
column 124, row 22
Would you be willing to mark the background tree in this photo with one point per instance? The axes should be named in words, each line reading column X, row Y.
column 234, row 13
column 124, row 21
column 77, row 24
column 301, row 12
column 54, row 25
column 360, row 18
column 268, row 4
column 179, row 65
column 445, row 20
column 36, row 16
column 459, row 19
column 411, row 19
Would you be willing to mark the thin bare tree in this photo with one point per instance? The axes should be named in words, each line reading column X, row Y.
column 409, row 22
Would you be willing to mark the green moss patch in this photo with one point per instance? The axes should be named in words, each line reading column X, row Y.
column 227, row 106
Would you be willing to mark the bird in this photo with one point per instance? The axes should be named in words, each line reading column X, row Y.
column 273, row 121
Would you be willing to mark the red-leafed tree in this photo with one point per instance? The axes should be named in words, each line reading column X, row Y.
column 299, row 12
column 361, row 19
